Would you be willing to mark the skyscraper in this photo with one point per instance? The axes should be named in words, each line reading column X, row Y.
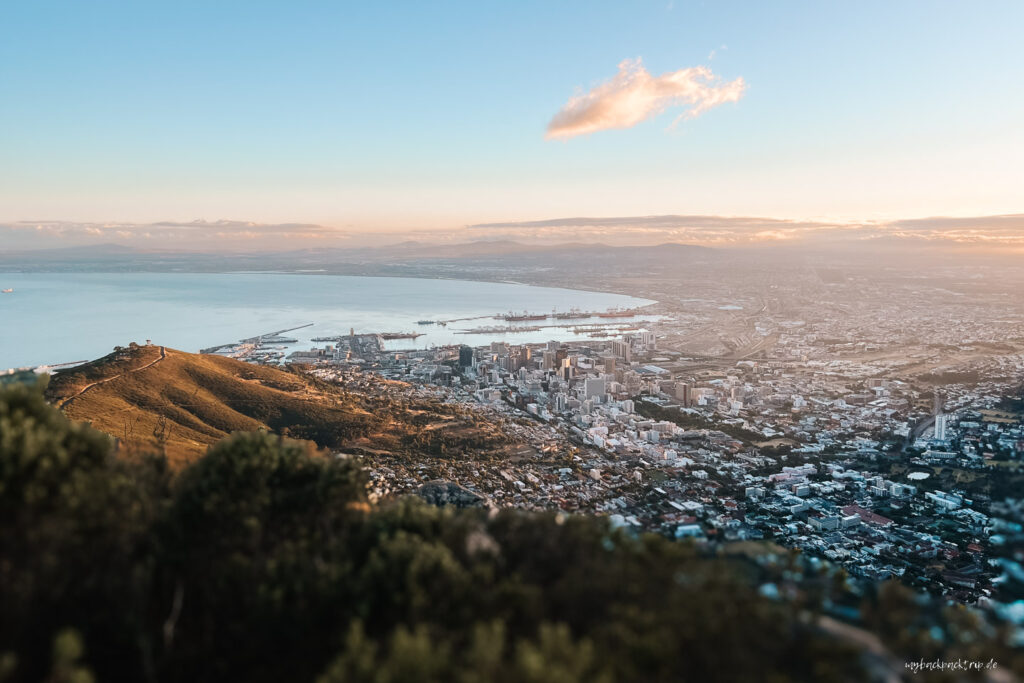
column 594, row 387
column 940, row 419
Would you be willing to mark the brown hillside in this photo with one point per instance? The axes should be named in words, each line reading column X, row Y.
column 155, row 400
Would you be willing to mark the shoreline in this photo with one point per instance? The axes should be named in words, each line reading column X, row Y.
column 360, row 318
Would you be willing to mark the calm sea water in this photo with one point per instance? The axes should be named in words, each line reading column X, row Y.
column 61, row 317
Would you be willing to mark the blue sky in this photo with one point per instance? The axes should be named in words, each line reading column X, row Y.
column 401, row 116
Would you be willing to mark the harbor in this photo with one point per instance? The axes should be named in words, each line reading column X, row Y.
column 271, row 315
column 571, row 314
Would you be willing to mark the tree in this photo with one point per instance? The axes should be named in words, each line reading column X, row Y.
column 71, row 519
column 262, row 561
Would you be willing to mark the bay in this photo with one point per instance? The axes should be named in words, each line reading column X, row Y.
column 52, row 318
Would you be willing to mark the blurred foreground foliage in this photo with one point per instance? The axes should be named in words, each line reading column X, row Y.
column 263, row 561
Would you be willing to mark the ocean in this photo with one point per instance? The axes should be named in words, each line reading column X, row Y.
column 52, row 318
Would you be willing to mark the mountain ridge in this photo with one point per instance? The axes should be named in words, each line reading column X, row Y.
column 153, row 399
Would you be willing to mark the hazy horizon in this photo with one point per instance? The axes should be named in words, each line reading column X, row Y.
column 372, row 124
column 998, row 235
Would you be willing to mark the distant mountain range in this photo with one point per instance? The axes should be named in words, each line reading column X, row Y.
column 117, row 257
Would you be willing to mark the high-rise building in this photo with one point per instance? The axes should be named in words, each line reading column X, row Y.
column 594, row 387
column 940, row 419
column 466, row 356
column 647, row 340
column 622, row 349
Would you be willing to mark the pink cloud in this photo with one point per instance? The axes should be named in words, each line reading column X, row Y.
column 634, row 95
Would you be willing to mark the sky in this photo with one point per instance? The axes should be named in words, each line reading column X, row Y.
column 387, row 119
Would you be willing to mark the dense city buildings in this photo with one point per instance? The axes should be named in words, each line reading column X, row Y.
column 866, row 424
column 890, row 449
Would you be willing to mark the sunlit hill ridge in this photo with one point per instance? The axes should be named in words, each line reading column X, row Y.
column 154, row 399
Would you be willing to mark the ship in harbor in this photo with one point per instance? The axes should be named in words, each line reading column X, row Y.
column 571, row 314
column 500, row 330
column 619, row 313
column 8, row 291
column 522, row 317
column 400, row 335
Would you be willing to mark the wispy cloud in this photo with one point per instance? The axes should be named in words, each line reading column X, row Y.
column 978, row 232
column 634, row 95
column 695, row 229
column 1000, row 234
column 199, row 234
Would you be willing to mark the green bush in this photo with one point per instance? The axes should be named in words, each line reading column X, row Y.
column 262, row 561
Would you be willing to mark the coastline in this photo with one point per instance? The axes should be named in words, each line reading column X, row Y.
column 390, row 302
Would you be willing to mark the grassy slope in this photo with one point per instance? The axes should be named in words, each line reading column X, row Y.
column 197, row 400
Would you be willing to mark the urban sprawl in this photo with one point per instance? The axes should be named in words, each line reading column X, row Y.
column 858, row 444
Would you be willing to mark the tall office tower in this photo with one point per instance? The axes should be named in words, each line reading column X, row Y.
column 553, row 345
column 466, row 356
column 940, row 419
column 609, row 364
column 622, row 349
column 594, row 387
column 683, row 393
column 548, row 359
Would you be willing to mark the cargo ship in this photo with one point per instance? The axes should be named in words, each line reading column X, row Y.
column 400, row 335
column 7, row 291
column 619, row 313
column 499, row 330
column 522, row 317
column 571, row 314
